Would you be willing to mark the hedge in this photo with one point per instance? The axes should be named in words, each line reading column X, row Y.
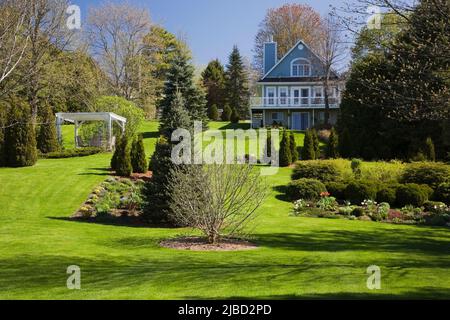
column 325, row 172
column 412, row 194
column 358, row 191
column 72, row 153
column 429, row 173
column 307, row 189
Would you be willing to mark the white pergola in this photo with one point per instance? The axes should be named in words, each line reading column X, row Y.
column 79, row 118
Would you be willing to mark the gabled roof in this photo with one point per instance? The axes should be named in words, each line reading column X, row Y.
column 296, row 79
column 289, row 52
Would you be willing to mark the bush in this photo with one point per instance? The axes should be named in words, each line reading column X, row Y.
column 47, row 141
column 442, row 193
column 307, row 189
column 336, row 189
column 358, row 212
column 332, row 145
column 234, row 118
column 213, row 113
column 138, row 158
column 323, row 171
column 432, row 174
column 308, row 150
column 387, row 194
column 72, row 153
column 285, row 150
column 122, row 160
column 356, row 168
column 226, row 114
column 293, row 147
column 358, row 191
column 411, row 194
column 433, row 206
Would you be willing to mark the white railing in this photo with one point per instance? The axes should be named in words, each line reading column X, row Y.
column 267, row 102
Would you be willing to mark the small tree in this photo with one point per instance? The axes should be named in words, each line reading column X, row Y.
column 213, row 113
column 293, row 146
column 332, row 146
column 345, row 144
column 138, row 158
column 219, row 200
column 429, row 150
column 285, row 151
column 308, row 151
column 47, row 140
column 316, row 142
column 122, row 159
column 175, row 117
column 20, row 137
column 226, row 114
column 234, row 118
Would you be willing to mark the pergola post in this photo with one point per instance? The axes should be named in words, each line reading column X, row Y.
column 76, row 133
column 110, row 133
column 59, row 129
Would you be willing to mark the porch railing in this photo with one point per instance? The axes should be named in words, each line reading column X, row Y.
column 275, row 102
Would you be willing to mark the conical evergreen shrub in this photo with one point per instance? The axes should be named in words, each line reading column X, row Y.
column 285, row 151
column 308, row 151
column 226, row 114
column 430, row 152
column 293, row 146
column 234, row 118
column 138, row 158
column 333, row 145
column 122, row 161
column 47, row 140
column 213, row 113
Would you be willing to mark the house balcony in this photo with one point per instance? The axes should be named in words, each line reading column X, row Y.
column 292, row 103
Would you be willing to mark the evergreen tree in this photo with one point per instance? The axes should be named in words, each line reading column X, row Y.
column 180, row 79
column 47, row 140
column 213, row 78
column 122, row 162
column 138, row 158
column 237, row 84
column 317, row 151
column 285, row 151
column 226, row 114
column 20, row 138
column 156, row 193
column 429, row 150
column 234, row 118
column 308, row 151
column 213, row 113
column 293, row 145
column 345, row 144
column 332, row 146
column 175, row 117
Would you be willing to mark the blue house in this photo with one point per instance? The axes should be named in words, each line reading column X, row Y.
column 291, row 92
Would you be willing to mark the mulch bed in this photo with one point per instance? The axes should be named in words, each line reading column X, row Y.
column 200, row 244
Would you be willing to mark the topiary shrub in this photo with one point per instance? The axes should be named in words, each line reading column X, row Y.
column 307, row 189
column 442, row 193
column 358, row 191
column 293, row 146
column 285, row 151
column 226, row 114
column 138, row 158
column 387, row 194
column 47, row 140
column 331, row 150
column 213, row 113
column 234, row 118
column 429, row 173
column 308, row 151
column 411, row 194
column 323, row 171
column 336, row 189
column 122, row 158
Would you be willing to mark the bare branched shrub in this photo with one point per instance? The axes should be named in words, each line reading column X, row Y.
column 219, row 200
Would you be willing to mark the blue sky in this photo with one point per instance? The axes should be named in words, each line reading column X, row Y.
column 212, row 27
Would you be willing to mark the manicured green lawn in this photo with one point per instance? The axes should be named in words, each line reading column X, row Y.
column 297, row 257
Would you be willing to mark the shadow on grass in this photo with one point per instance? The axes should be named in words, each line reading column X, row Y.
column 150, row 135
column 282, row 196
column 131, row 222
column 234, row 126
column 411, row 240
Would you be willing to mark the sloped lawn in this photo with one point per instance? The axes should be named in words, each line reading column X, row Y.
column 297, row 258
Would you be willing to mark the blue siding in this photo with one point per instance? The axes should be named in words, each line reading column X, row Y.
column 270, row 56
column 284, row 68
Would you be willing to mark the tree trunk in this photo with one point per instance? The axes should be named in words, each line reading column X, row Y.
column 327, row 102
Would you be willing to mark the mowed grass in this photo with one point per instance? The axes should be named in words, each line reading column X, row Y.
column 296, row 258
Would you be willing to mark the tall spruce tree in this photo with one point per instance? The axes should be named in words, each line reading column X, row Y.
column 175, row 117
column 237, row 84
column 47, row 140
column 332, row 145
column 213, row 78
column 293, row 145
column 180, row 79
column 285, row 150
column 138, row 158
column 308, row 150
column 20, row 138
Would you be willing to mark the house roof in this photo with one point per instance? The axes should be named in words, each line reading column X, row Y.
column 286, row 55
column 296, row 79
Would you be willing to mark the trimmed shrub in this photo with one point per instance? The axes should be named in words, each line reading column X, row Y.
column 307, row 189
column 316, row 144
column 285, row 151
column 442, row 193
column 431, row 206
column 234, row 118
column 293, row 147
column 226, row 114
column 336, row 189
column 323, row 171
column 122, row 158
column 213, row 113
column 411, row 194
column 308, row 151
column 358, row 212
column 72, row 153
column 358, row 191
column 429, row 173
column 138, row 158
column 356, row 168
column 47, row 141
column 429, row 151
column 387, row 194
column 332, row 145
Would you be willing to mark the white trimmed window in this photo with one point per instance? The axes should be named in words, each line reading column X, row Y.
column 300, row 68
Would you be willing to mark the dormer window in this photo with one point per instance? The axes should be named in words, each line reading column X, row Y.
column 300, row 68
